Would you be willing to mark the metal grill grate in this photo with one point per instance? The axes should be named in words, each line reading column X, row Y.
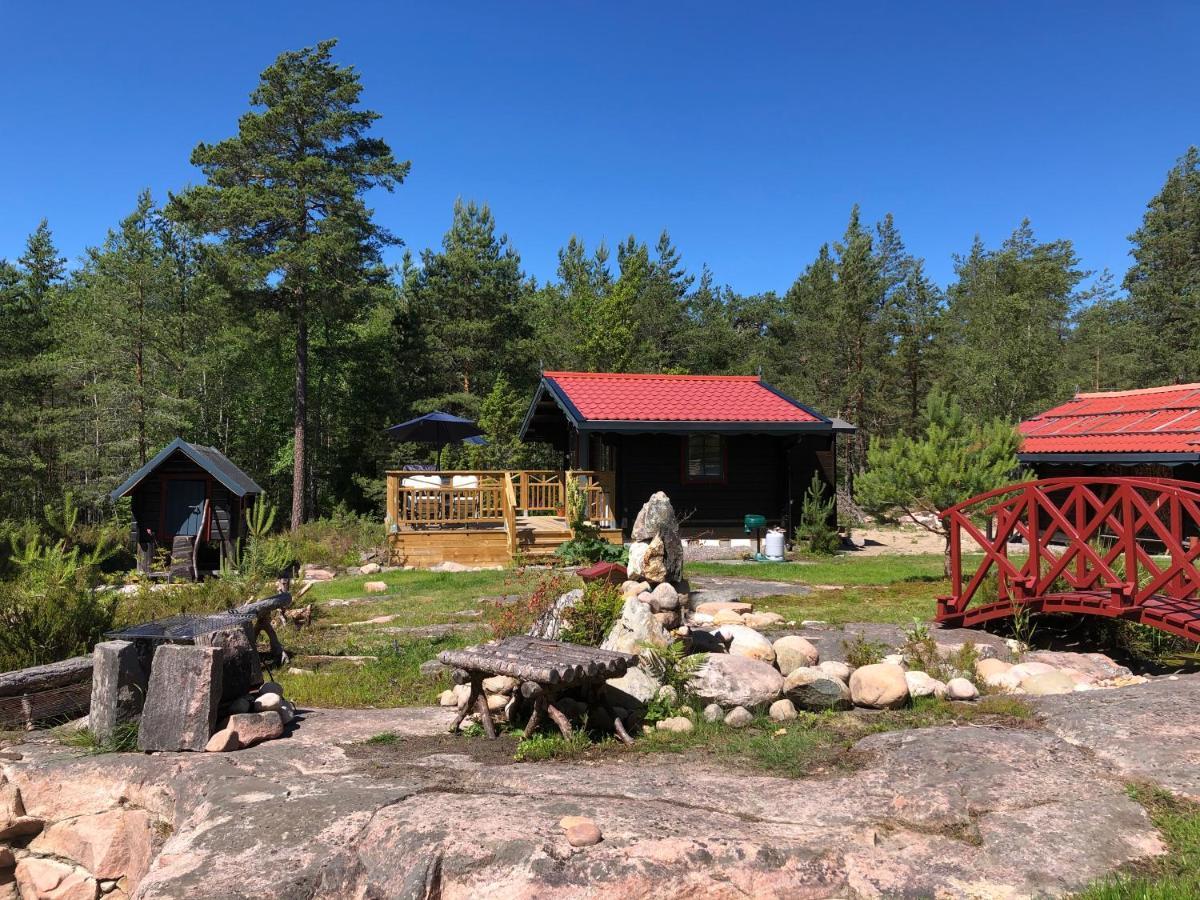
column 178, row 629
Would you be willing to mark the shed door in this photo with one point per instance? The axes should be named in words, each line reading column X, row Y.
column 185, row 506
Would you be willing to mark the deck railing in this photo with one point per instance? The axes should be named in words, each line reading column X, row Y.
column 457, row 498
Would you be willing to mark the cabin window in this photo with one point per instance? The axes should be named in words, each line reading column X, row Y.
column 705, row 458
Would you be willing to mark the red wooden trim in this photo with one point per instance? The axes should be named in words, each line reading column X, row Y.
column 684, row 478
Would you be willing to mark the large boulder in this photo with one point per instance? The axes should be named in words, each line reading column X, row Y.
column 636, row 629
column 182, row 698
column 656, row 520
column 745, row 641
column 736, row 681
column 635, row 688
column 794, row 652
column 813, row 689
column 119, row 682
column 922, row 684
column 879, row 686
column 549, row 624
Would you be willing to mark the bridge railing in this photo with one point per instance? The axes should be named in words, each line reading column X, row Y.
column 1126, row 540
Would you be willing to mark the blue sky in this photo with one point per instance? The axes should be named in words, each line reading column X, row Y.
column 747, row 130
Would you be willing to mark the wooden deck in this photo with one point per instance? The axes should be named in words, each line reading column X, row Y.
column 489, row 518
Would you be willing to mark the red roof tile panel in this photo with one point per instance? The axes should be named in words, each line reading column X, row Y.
column 1155, row 420
column 606, row 396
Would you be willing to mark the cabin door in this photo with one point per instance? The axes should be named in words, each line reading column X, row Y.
column 185, row 506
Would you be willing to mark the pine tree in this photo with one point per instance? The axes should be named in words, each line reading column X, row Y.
column 285, row 195
column 1007, row 322
column 913, row 317
column 1164, row 281
column 858, row 303
column 30, row 420
column 470, row 298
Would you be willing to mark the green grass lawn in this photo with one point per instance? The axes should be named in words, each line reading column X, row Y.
column 380, row 627
column 893, row 589
column 841, row 570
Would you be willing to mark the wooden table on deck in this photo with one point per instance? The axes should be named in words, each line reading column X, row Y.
column 545, row 669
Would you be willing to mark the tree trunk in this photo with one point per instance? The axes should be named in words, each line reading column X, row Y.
column 946, row 557
column 299, row 460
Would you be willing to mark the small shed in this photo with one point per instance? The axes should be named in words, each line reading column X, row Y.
column 188, row 496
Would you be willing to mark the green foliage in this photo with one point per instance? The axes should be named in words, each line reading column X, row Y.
column 673, row 665
column 862, row 652
column 1007, row 323
column 52, row 609
column 582, row 550
column 1164, row 281
column 507, row 618
column 541, row 746
column 953, row 459
column 593, row 615
column 816, row 512
column 265, row 556
column 122, row 740
column 384, row 738
column 286, row 197
column 921, row 654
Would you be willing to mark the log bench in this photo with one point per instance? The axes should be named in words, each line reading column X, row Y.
column 545, row 669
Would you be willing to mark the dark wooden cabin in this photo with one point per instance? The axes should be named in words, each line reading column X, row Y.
column 721, row 447
column 188, row 496
column 1153, row 432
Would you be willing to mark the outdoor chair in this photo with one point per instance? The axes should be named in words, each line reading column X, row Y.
column 464, row 501
column 426, row 504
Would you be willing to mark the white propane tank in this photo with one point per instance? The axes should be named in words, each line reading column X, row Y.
column 775, row 542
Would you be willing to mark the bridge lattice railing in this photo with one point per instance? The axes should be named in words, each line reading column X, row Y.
column 1128, row 538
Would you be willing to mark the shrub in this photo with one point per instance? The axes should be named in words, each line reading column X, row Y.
column 510, row 617
column 921, row 654
column 52, row 609
column 589, row 621
column 583, row 550
column 814, row 530
column 672, row 665
column 861, row 652
column 339, row 540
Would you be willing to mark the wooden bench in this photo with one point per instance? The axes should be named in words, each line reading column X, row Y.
column 545, row 669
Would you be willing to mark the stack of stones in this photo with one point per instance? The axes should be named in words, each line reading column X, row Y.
column 656, row 562
column 501, row 693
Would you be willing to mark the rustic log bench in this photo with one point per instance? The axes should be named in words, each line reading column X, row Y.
column 545, row 669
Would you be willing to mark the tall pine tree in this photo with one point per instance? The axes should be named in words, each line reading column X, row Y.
column 286, row 197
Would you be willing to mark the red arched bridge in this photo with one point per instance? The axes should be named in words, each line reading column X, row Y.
column 1117, row 547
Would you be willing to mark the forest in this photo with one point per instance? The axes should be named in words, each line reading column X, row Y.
column 253, row 312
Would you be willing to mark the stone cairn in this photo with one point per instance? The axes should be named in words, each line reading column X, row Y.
column 656, row 562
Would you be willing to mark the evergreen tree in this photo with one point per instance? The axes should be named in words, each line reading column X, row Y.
column 1164, row 281
column 30, row 414
column 1007, row 319
column 469, row 298
column 286, row 196
column 955, row 457
column 913, row 317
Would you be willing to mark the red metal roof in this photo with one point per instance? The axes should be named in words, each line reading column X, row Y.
column 613, row 397
column 1154, row 420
